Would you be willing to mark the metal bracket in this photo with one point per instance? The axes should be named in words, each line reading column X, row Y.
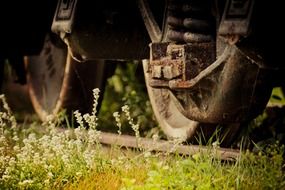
column 176, row 66
column 63, row 18
column 168, row 64
column 236, row 17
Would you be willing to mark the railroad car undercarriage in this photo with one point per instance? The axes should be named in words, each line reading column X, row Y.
column 205, row 62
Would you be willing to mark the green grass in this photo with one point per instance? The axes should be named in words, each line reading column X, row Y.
column 74, row 159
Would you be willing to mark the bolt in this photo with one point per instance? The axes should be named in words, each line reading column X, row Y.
column 171, row 71
column 156, row 71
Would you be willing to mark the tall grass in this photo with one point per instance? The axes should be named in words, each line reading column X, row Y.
column 74, row 159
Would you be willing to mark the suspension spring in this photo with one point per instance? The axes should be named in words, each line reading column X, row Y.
column 190, row 21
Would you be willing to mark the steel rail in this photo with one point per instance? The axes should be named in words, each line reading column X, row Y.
column 167, row 146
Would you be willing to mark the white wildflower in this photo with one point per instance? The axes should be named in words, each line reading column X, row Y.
column 80, row 133
column 65, row 159
column 147, row 154
column 216, row 144
column 26, row 183
column 15, row 138
column 37, row 159
column 79, row 174
column 12, row 162
column 175, row 143
column 6, row 177
column 117, row 116
column 46, row 182
column 88, row 156
column 135, row 127
column 49, row 175
column 79, row 145
column 79, row 118
column 91, row 120
column 50, row 123
column 126, row 109
column 96, row 92
column 3, row 139
column 16, row 148
column 9, row 116
column 32, row 138
column 93, row 136
column 155, row 137
column 68, row 133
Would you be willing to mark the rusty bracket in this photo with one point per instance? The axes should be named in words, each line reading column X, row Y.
column 178, row 66
column 236, row 18
column 63, row 18
column 167, row 61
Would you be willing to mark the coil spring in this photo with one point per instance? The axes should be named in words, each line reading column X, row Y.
column 190, row 21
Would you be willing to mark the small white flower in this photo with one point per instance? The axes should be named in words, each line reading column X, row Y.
column 134, row 126
column 25, row 183
column 216, row 144
column 125, row 108
column 79, row 133
column 3, row 139
column 65, row 159
column 79, row 174
column 16, row 148
column 12, row 162
column 49, row 175
column 50, row 117
column 147, row 154
column 79, row 118
column 16, row 138
column 155, row 137
column 6, row 177
column 93, row 136
column 117, row 116
column 46, row 182
column 90, row 120
column 96, row 92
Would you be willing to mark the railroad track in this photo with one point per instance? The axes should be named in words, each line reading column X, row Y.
column 166, row 146
column 171, row 147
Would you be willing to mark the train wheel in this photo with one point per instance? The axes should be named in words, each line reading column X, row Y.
column 56, row 81
column 175, row 125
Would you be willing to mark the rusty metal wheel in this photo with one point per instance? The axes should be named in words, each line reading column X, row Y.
column 56, row 81
column 172, row 122
column 176, row 126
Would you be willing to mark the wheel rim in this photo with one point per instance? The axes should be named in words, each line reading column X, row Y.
column 56, row 81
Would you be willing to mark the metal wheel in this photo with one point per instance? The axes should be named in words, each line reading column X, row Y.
column 175, row 125
column 56, row 81
column 172, row 122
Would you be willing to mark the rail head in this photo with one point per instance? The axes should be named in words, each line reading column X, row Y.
column 167, row 146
